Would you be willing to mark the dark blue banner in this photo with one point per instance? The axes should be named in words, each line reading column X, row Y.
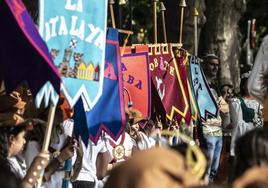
column 108, row 114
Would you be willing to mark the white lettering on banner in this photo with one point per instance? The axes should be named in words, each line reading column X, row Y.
column 73, row 30
column 74, row 6
column 63, row 27
column 165, row 66
column 51, row 28
column 93, row 33
column 81, row 30
column 57, row 26
column 100, row 40
column 159, row 81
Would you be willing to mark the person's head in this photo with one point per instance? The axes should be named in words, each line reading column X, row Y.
column 243, row 87
column 12, row 140
column 255, row 177
column 243, row 83
column 134, row 116
column 150, row 127
column 211, row 64
column 155, row 167
column 251, row 150
column 227, row 91
column 42, row 114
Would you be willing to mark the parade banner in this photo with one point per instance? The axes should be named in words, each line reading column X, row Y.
column 137, row 82
column 23, row 54
column 193, row 102
column 205, row 100
column 75, row 33
column 181, row 61
column 169, row 82
column 109, row 112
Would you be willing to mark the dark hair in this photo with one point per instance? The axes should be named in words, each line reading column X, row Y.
column 209, row 57
column 224, row 85
column 251, row 150
column 5, row 133
column 243, row 87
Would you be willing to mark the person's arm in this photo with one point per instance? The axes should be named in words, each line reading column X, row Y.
column 33, row 173
column 257, row 82
column 101, row 164
column 79, row 161
column 58, row 162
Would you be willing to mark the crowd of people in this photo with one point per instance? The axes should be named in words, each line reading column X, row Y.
column 230, row 150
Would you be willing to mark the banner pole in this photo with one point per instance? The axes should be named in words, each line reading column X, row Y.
column 155, row 20
column 111, row 2
column 51, row 115
column 162, row 10
column 195, row 14
column 182, row 6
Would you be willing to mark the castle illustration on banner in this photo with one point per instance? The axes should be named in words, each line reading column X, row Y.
column 81, row 69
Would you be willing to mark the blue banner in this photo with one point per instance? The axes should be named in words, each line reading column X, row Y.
column 109, row 112
column 205, row 100
column 75, row 33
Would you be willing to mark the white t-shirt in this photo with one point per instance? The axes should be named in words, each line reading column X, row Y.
column 240, row 127
column 57, row 177
column 127, row 143
column 145, row 142
column 18, row 166
column 33, row 150
column 89, row 171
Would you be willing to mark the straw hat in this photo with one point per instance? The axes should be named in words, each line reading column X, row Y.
column 157, row 167
column 9, row 106
column 10, row 118
column 134, row 115
column 11, row 102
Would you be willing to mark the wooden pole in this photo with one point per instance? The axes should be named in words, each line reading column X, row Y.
column 111, row 2
column 195, row 14
column 162, row 10
column 47, row 136
column 182, row 6
column 155, row 20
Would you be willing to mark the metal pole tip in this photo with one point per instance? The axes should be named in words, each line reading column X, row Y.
column 162, row 7
column 183, row 3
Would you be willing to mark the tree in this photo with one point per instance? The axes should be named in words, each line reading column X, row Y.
column 221, row 27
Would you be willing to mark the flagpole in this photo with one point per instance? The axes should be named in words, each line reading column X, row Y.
column 195, row 32
column 111, row 2
column 155, row 20
column 182, row 6
column 162, row 10
column 51, row 115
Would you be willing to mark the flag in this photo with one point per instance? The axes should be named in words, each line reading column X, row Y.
column 109, row 112
column 169, row 81
column 23, row 54
column 180, row 67
column 75, row 33
column 137, row 82
column 193, row 102
column 205, row 100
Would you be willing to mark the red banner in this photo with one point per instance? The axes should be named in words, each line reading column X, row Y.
column 136, row 76
column 169, row 77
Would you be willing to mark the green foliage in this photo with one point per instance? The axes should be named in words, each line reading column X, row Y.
column 141, row 19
